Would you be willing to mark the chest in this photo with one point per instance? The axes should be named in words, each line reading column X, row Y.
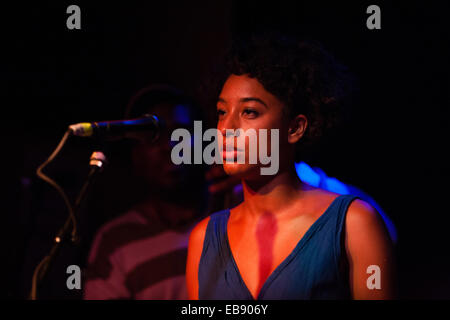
column 260, row 248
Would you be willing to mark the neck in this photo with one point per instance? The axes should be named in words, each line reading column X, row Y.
column 271, row 194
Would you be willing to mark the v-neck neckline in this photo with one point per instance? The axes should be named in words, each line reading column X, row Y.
column 300, row 244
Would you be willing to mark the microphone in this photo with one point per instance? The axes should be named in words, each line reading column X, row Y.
column 148, row 124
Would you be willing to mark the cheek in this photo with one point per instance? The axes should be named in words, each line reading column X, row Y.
column 270, row 132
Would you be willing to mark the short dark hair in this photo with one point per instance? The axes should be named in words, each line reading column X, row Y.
column 301, row 74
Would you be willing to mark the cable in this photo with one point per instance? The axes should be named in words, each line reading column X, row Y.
column 50, row 181
column 43, row 265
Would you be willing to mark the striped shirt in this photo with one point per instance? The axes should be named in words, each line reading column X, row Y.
column 136, row 256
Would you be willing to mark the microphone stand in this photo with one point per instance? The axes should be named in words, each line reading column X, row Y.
column 97, row 162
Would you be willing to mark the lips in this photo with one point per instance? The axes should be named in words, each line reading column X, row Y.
column 231, row 153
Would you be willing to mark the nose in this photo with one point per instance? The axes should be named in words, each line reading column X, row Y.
column 230, row 122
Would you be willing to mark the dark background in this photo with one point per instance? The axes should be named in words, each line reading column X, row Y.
column 393, row 149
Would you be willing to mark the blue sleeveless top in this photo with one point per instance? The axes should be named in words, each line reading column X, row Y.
column 315, row 269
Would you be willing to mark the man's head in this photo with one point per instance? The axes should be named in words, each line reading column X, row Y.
column 151, row 161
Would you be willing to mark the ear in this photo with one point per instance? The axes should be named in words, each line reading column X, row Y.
column 297, row 128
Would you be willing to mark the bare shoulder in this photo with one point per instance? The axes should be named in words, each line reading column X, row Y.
column 198, row 232
column 359, row 212
column 361, row 215
column 366, row 233
column 319, row 198
column 368, row 245
column 195, row 249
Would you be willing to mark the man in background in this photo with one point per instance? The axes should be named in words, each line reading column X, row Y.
column 141, row 254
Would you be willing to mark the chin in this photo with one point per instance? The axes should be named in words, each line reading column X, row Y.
column 243, row 170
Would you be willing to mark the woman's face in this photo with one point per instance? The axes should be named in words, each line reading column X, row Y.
column 244, row 104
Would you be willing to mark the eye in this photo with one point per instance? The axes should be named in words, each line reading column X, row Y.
column 220, row 113
column 250, row 113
